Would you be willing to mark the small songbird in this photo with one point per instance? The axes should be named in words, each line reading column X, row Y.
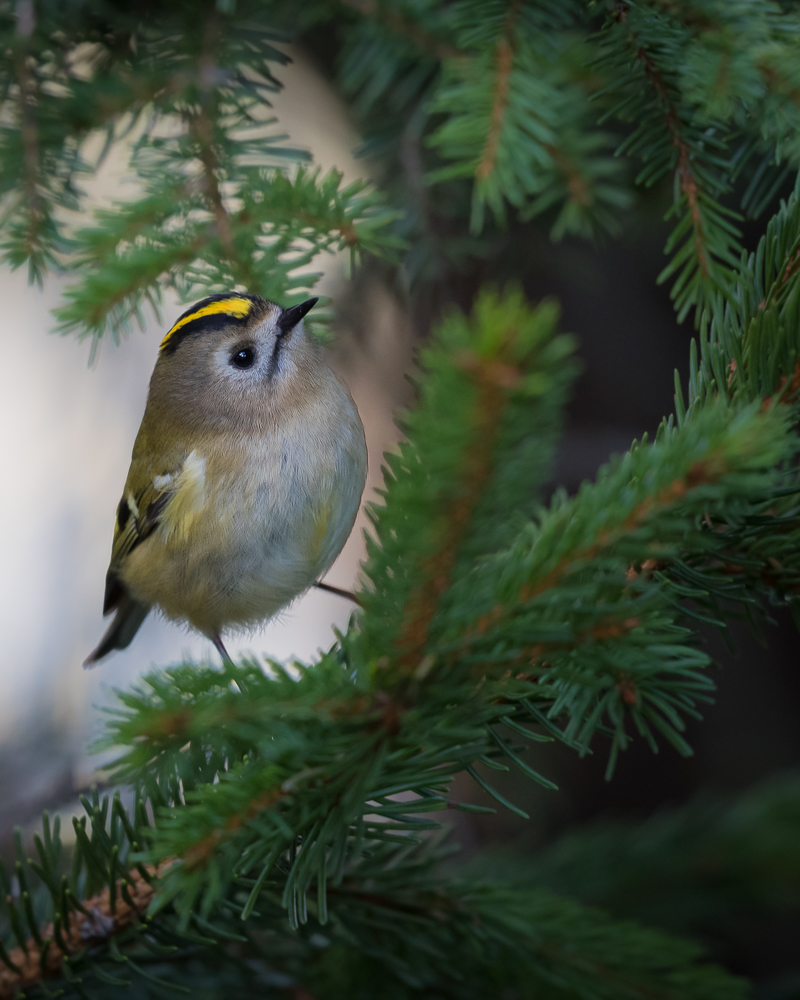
column 246, row 476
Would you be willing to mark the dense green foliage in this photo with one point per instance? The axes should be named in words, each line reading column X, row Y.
column 286, row 817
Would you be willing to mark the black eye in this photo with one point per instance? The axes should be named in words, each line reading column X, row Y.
column 243, row 358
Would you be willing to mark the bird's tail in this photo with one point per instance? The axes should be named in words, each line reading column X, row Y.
column 129, row 617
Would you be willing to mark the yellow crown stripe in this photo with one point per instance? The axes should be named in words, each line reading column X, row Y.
column 235, row 306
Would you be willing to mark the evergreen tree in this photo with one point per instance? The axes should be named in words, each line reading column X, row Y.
column 279, row 836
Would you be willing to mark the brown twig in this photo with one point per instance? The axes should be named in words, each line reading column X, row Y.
column 200, row 853
column 688, row 182
column 201, row 126
column 790, row 268
column 80, row 930
column 492, row 378
column 708, row 470
column 788, row 388
column 608, row 627
column 502, row 86
column 777, row 81
column 203, row 131
column 577, row 185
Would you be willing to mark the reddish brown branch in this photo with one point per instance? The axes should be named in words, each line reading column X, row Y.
column 98, row 924
column 502, row 86
column 788, row 395
column 610, row 627
column 203, row 131
column 709, row 470
column 690, row 189
column 789, row 269
column 777, row 82
column 200, row 854
column 492, row 378
column 687, row 180
column 505, row 60
column 577, row 186
column 201, row 126
column 792, row 266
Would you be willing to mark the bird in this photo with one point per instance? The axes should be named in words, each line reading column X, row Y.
column 246, row 475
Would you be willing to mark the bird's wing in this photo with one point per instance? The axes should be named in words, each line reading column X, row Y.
column 138, row 515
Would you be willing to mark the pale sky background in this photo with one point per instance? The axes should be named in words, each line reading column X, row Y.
column 68, row 430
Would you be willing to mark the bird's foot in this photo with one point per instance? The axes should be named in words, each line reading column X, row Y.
column 220, row 646
column 339, row 591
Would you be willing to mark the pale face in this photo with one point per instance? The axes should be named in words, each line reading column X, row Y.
column 254, row 359
column 237, row 377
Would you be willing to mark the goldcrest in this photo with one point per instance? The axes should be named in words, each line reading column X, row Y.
column 246, row 476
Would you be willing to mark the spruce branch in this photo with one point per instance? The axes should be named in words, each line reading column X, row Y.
column 749, row 349
column 402, row 25
column 613, row 646
column 136, row 250
column 689, row 869
column 516, row 122
column 201, row 129
column 638, row 55
column 391, row 913
column 292, row 811
column 502, row 81
column 454, row 488
column 491, row 378
column 106, row 916
column 273, row 792
column 27, row 113
column 290, row 880
column 161, row 239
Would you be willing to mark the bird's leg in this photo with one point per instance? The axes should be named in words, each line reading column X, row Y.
column 220, row 645
column 347, row 594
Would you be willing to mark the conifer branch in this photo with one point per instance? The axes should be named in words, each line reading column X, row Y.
column 275, row 809
column 97, row 920
column 458, row 476
column 26, row 23
column 596, row 670
column 704, row 243
column 516, row 123
column 502, row 83
column 685, row 856
column 201, row 129
column 688, row 182
column 425, row 930
column 404, row 27
column 493, row 378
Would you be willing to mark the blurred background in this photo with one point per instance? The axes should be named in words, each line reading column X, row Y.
column 68, row 432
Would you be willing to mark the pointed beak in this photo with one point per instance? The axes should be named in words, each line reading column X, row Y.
column 289, row 318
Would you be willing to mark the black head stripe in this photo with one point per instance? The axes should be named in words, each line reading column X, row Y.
column 213, row 313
